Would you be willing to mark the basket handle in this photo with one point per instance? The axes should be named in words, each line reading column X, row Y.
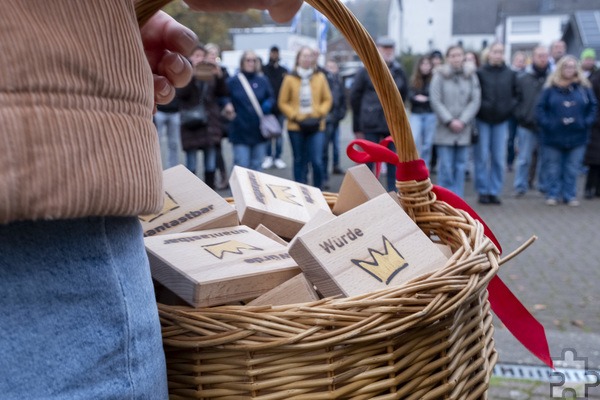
column 343, row 19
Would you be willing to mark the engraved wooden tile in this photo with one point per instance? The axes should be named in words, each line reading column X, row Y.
column 296, row 290
column 218, row 266
column 373, row 246
column 190, row 205
column 359, row 185
column 281, row 205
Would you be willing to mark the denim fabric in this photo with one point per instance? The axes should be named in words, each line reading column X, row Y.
column 250, row 156
column 451, row 167
column 490, row 157
column 277, row 142
column 332, row 137
column 562, row 167
column 391, row 168
column 78, row 318
column 210, row 159
column 423, row 129
column 510, row 143
column 528, row 141
column 167, row 125
column 308, row 149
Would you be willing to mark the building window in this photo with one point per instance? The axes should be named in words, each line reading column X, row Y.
column 523, row 26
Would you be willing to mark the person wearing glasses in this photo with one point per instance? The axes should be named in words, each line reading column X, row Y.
column 249, row 145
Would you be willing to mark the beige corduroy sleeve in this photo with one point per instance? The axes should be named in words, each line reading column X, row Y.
column 76, row 92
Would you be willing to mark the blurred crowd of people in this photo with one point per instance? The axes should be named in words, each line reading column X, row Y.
column 309, row 93
column 471, row 114
column 475, row 113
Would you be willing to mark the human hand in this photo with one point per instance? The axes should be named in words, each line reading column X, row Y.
column 421, row 98
column 359, row 135
column 456, row 125
column 167, row 43
column 280, row 10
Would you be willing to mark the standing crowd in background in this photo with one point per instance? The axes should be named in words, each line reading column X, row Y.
column 539, row 117
column 471, row 115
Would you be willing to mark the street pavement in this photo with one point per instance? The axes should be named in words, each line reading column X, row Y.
column 556, row 278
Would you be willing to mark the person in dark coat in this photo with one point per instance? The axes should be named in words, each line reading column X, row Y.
column 592, row 150
column 529, row 87
column 422, row 118
column 337, row 113
column 249, row 146
column 498, row 100
column 206, row 86
column 368, row 118
column 275, row 72
column 565, row 112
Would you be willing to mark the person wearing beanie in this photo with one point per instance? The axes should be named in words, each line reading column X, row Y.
column 588, row 62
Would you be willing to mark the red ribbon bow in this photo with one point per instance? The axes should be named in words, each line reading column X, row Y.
column 504, row 303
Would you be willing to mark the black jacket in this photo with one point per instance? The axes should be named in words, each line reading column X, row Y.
column 419, row 107
column 529, row 86
column 592, row 150
column 338, row 94
column 275, row 74
column 367, row 110
column 498, row 93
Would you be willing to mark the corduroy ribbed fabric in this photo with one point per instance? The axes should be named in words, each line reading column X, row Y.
column 76, row 97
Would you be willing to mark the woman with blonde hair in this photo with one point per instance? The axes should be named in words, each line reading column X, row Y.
column 305, row 100
column 565, row 112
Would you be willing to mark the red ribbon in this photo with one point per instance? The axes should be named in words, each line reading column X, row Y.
column 504, row 303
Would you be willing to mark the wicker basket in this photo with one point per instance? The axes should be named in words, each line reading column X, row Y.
column 429, row 339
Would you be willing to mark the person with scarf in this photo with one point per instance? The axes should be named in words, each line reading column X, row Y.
column 565, row 113
column 305, row 96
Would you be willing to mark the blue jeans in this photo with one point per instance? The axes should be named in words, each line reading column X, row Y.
column 490, row 158
column 562, row 168
column 332, row 137
column 528, row 141
column 249, row 156
column 391, row 168
column 423, row 129
column 308, row 149
column 276, row 142
column 452, row 164
column 78, row 317
column 210, row 159
column 167, row 125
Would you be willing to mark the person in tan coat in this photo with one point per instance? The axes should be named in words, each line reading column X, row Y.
column 305, row 100
column 80, row 161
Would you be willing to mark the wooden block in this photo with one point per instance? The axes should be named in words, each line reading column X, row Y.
column 359, row 186
column 219, row 266
column 190, row 205
column 296, row 290
column 281, row 205
column 263, row 230
column 320, row 218
column 373, row 246
column 445, row 249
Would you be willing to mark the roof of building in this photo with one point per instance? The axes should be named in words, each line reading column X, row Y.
column 588, row 25
column 474, row 17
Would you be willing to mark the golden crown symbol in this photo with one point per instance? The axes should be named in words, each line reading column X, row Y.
column 385, row 264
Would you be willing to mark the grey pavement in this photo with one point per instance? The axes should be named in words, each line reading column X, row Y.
column 556, row 278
